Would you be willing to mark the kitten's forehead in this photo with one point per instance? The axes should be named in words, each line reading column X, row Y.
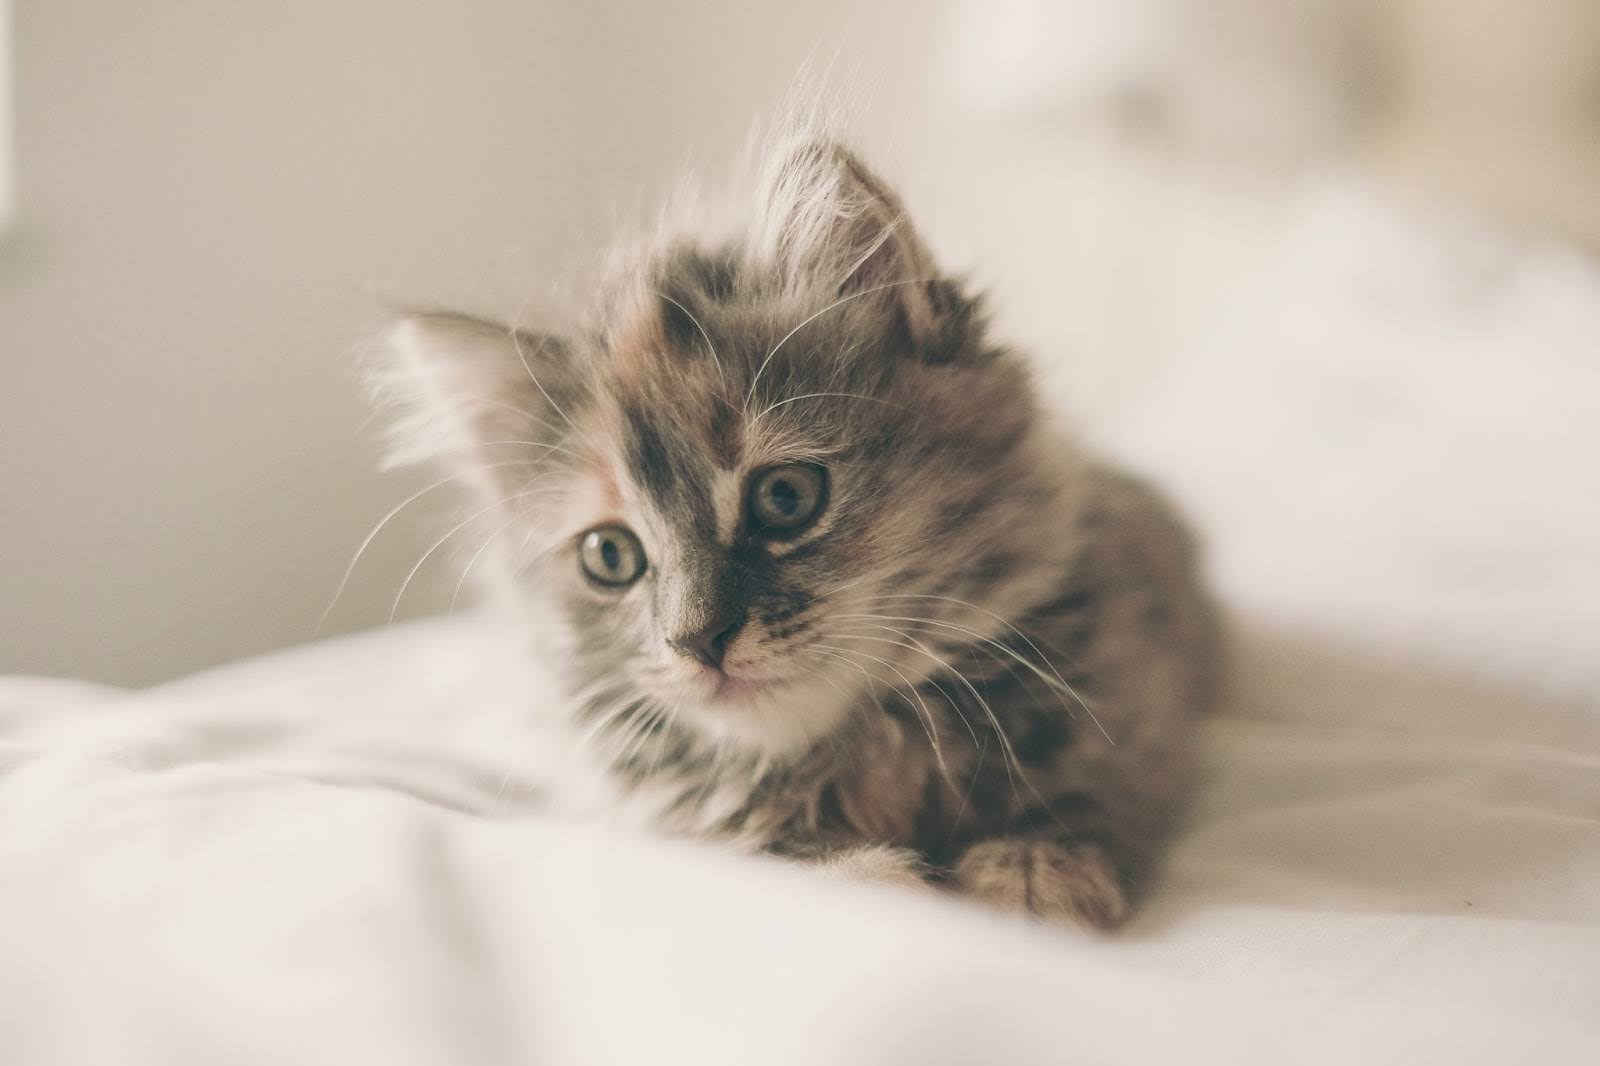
column 688, row 457
column 709, row 369
column 670, row 468
column 676, row 374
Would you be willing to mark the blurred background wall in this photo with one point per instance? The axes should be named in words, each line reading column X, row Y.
column 215, row 201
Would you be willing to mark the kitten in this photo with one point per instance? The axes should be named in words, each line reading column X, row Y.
column 826, row 585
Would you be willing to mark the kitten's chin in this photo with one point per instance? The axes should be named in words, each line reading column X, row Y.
column 773, row 716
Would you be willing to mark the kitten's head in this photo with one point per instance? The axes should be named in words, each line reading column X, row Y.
column 764, row 452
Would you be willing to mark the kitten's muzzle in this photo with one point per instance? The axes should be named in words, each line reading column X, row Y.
column 708, row 644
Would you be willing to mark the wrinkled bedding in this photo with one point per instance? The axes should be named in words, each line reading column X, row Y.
column 323, row 856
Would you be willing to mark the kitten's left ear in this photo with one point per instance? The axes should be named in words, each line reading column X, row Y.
column 463, row 384
column 833, row 221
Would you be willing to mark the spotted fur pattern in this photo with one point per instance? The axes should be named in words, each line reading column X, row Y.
column 978, row 668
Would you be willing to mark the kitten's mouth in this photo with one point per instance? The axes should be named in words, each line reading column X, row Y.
column 722, row 687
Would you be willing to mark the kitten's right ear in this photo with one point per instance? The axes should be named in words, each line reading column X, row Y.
column 832, row 222
column 460, row 384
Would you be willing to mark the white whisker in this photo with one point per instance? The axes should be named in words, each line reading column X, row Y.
column 666, row 732
column 713, row 348
column 994, row 720
column 533, row 444
column 394, row 608
column 820, row 395
column 750, row 395
column 521, row 411
column 1055, row 681
column 1008, row 753
column 515, row 331
column 462, row 580
column 384, row 521
column 929, row 725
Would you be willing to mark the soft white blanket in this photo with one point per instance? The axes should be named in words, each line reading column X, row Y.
column 334, row 855
column 287, row 861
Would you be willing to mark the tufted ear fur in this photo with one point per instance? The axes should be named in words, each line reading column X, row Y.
column 833, row 224
column 463, row 385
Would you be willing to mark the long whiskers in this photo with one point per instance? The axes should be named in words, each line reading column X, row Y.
column 394, row 608
column 647, row 720
column 929, row 725
column 515, row 331
column 722, row 377
column 666, row 733
column 534, row 444
column 981, row 610
column 350, row 569
column 1053, row 680
column 912, row 644
column 1008, row 752
column 520, row 411
column 627, row 704
column 822, row 395
column 490, row 539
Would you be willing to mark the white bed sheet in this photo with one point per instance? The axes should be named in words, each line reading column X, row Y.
column 335, row 854
column 329, row 855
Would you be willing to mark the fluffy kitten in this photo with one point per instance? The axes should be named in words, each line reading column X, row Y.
column 828, row 587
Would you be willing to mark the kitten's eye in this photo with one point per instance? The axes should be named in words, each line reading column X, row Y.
column 611, row 556
column 784, row 499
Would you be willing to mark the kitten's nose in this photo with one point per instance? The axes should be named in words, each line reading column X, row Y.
column 710, row 643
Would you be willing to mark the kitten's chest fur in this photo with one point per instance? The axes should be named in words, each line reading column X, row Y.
column 879, row 781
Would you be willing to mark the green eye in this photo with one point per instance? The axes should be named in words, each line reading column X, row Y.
column 786, row 499
column 611, row 556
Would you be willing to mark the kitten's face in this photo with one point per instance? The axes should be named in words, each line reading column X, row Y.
column 764, row 462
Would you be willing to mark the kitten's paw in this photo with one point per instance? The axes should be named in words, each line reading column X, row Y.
column 876, row 863
column 1076, row 883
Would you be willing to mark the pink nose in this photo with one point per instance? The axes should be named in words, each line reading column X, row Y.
column 708, row 644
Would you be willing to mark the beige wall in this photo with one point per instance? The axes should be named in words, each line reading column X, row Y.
column 213, row 199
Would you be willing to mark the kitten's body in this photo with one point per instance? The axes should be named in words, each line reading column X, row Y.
column 976, row 663
column 1096, row 737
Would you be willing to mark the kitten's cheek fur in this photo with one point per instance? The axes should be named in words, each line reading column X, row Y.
column 1046, row 880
